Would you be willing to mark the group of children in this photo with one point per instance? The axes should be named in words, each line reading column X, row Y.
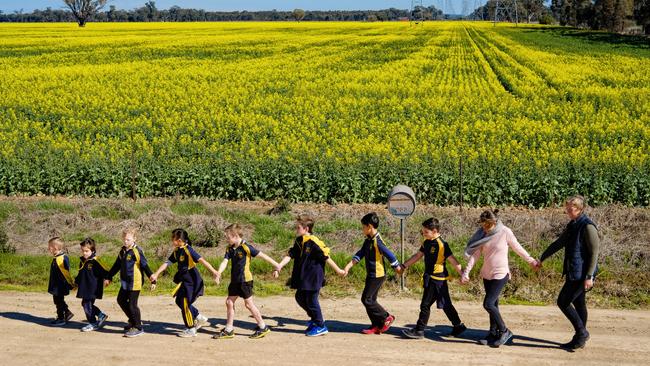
column 310, row 256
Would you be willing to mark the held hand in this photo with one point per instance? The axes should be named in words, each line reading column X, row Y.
column 217, row 278
column 399, row 269
column 464, row 279
column 107, row 282
column 535, row 265
column 589, row 284
column 153, row 278
column 341, row 272
column 276, row 273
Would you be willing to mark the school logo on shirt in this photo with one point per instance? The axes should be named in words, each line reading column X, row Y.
column 182, row 258
column 240, row 255
column 90, row 266
column 128, row 257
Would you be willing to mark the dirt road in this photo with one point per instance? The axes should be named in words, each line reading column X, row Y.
column 618, row 336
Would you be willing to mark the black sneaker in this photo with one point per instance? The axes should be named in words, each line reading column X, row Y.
column 58, row 322
column 504, row 337
column 489, row 339
column 67, row 316
column 413, row 333
column 458, row 330
column 223, row 334
column 260, row 333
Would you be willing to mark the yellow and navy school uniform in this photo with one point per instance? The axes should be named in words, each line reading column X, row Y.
column 190, row 284
column 309, row 255
column 241, row 277
column 436, row 251
column 61, row 281
column 131, row 263
column 374, row 251
column 90, row 282
column 90, row 279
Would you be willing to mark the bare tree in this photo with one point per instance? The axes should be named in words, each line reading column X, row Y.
column 84, row 9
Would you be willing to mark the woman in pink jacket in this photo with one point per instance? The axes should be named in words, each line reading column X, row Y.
column 492, row 240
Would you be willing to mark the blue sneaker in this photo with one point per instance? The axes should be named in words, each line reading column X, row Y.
column 310, row 326
column 317, row 331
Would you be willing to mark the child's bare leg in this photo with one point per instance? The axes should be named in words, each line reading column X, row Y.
column 250, row 305
column 230, row 312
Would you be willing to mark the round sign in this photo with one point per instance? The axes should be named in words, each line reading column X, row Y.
column 401, row 201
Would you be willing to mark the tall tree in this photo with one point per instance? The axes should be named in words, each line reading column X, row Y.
column 298, row 14
column 84, row 9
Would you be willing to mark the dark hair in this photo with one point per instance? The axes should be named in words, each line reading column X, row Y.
column 306, row 221
column 490, row 216
column 431, row 224
column 182, row 235
column 371, row 219
column 89, row 242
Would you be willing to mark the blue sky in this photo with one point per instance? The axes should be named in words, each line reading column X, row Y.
column 454, row 6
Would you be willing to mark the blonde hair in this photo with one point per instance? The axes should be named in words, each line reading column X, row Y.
column 233, row 229
column 306, row 221
column 576, row 201
column 57, row 242
column 129, row 230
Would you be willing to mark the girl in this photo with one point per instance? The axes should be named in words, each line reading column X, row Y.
column 90, row 282
column 131, row 263
column 240, row 253
column 492, row 240
column 190, row 283
column 60, row 280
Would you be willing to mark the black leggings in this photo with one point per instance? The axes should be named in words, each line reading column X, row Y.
column 128, row 301
column 90, row 309
column 571, row 301
column 493, row 290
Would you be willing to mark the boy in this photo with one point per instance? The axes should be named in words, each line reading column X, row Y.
column 435, row 252
column 240, row 253
column 130, row 262
column 374, row 250
column 308, row 275
column 60, row 282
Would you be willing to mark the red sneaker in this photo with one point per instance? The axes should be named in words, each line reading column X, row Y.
column 387, row 323
column 371, row 330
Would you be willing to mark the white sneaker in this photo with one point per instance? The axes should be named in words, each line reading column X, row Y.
column 90, row 327
column 201, row 321
column 188, row 333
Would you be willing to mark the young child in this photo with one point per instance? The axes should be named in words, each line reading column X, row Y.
column 308, row 275
column 90, row 282
column 436, row 253
column 374, row 250
column 131, row 263
column 188, row 278
column 240, row 253
column 60, row 281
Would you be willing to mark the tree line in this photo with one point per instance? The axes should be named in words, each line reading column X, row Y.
column 610, row 15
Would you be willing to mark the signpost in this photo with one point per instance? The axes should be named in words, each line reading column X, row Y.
column 401, row 204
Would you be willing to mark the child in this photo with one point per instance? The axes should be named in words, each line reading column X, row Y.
column 190, row 283
column 308, row 275
column 374, row 251
column 240, row 253
column 60, row 281
column 90, row 282
column 435, row 252
column 130, row 262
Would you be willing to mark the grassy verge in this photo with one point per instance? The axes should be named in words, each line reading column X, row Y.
column 29, row 222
